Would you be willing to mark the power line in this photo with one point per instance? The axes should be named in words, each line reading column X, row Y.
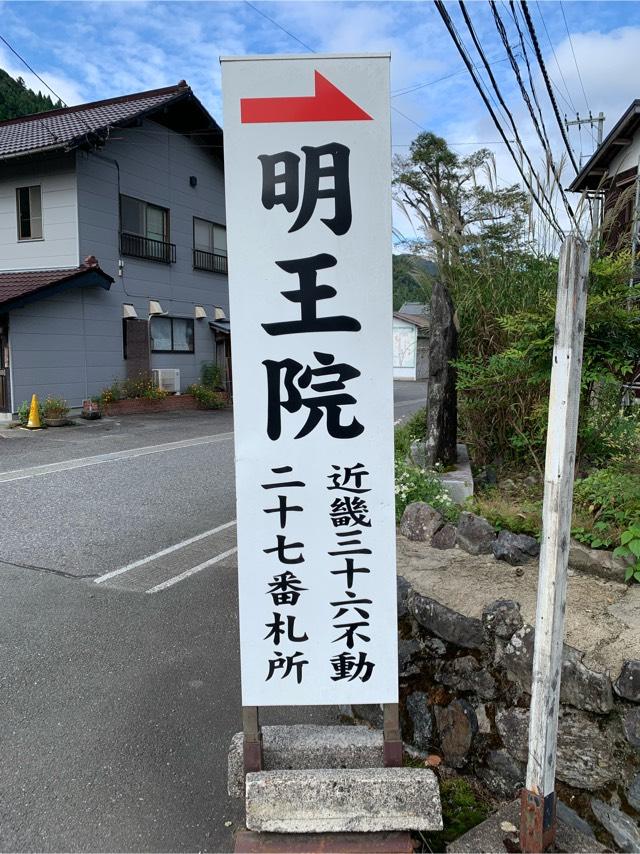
column 553, row 50
column 35, row 73
column 553, row 82
column 549, row 215
column 566, row 26
column 538, row 52
column 539, row 126
column 505, row 107
column 410, row 89
column 280, row 27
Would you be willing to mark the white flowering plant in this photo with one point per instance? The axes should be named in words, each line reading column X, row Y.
column 413, row 483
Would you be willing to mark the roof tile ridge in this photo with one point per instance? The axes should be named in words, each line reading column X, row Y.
column 106, row 102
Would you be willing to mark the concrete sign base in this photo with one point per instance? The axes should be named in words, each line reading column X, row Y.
column 336, row 800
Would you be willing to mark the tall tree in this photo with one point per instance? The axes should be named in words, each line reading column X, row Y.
column 457, row 202
column 16, row 100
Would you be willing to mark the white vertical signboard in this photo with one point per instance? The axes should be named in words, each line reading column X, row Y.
column 308, row 183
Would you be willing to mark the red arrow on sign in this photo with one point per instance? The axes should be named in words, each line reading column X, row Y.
column 328, row 104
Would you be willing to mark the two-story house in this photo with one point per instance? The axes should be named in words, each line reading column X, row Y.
column 113, row 255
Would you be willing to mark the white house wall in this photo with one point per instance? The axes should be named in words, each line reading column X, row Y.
column 58, row 248
column 153, row 164
column 627, row 158
column 405, row 338
column 72, row 344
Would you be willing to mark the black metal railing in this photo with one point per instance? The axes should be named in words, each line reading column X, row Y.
column 146, row 247
column 209, row 261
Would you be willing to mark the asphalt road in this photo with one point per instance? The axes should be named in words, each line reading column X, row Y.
column 119, row 664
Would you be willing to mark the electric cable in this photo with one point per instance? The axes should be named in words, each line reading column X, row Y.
column 505, row 107
column 549, row 215
column 545, row 75
column 566, row 26
column 539, row 126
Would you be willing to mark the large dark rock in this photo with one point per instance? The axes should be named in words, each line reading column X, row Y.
column 503, row 774
column 475, row 535
column 442, row 402
column 633, row 793
column 407, row 648
column 502, row 618
column 466, row 674
column 579, row 687
column 589, row 755
column 571, row 817
column 516, row 549
column 445, row 538
column 420, row 521
column 631, row 726
column 420, row 713
column 623, row 828
column 628, row 683
column 445, row 623
column 457, row 725
column 403, row 590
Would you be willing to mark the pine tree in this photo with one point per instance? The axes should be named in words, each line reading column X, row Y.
column 16, row 100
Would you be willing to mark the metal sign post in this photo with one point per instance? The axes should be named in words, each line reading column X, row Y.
column 307, row 173
column 538, row 800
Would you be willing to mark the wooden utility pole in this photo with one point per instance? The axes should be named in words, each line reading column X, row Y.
column 538, row 799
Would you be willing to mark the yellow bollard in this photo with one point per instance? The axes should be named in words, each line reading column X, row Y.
column 34, row 415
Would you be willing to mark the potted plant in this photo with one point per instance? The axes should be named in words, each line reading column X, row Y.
column 55, row 411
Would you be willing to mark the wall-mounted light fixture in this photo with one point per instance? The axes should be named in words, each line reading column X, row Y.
column 193, row 181
column 219, row 314
column 155, row 307
column 128, row 310
column 199, row 312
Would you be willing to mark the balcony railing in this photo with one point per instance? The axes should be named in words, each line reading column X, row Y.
column 209, row 261
column 146, row 247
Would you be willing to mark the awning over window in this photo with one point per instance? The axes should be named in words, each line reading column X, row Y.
column 20, row 288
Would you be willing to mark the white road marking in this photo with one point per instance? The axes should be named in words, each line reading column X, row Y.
column 163, row 552
column 114, row 456
column 177, row 578
column 410, row 402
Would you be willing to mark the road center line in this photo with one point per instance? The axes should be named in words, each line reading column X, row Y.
column 114, row 456
column 171, row 581
column 163, row 552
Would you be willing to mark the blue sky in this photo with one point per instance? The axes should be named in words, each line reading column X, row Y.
column 92, row 50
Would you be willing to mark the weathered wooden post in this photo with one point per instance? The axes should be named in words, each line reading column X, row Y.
column 538, row 800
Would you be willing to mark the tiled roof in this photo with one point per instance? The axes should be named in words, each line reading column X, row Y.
column 418, row 320
column 70, row 126
column 15, row 286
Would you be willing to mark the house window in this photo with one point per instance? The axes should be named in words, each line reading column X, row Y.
column 209, row 246
column 29, row 202
column 145, row 230
column 172, row 335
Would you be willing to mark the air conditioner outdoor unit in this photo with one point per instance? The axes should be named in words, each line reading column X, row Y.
column 167, row 379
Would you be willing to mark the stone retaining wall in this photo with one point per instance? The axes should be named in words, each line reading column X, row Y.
column 464, row 692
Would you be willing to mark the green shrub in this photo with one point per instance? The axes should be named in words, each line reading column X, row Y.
column 207, row 398
column 611, row 498
column 504, row 391
column 23, row 412
column 630, row 548
column 413, row 428
column 210, row 375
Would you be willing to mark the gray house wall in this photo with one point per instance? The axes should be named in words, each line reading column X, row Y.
column 72, row 345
